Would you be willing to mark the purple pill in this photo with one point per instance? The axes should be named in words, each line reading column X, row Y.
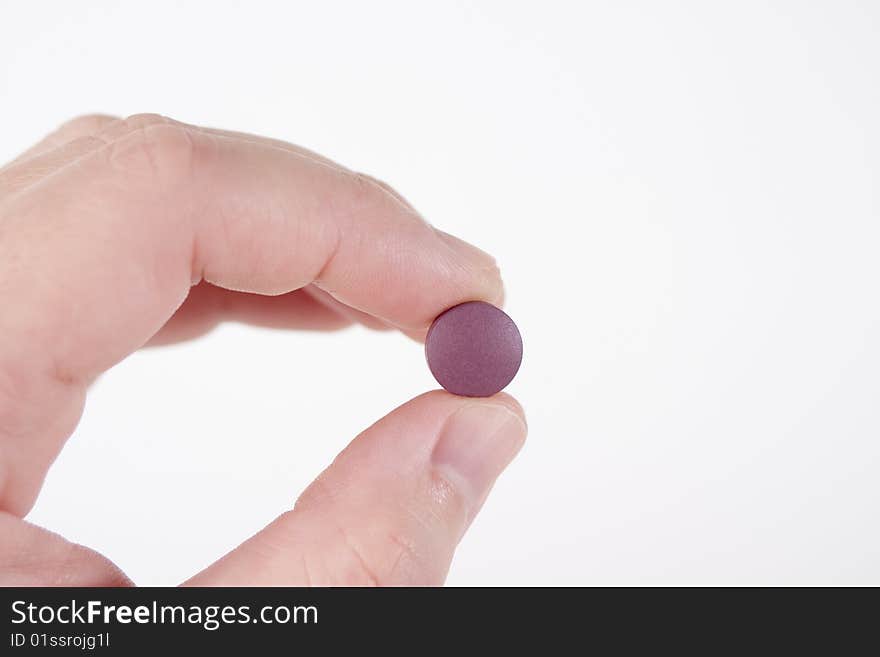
column 473, row 349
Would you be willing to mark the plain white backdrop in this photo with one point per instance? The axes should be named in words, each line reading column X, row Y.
column 683, row 198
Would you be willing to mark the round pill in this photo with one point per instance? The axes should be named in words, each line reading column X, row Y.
column 473, row 349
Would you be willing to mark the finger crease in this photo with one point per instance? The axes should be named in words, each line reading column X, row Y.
column 331, row 257
column 354, row 550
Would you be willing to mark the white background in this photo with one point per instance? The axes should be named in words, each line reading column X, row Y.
column 683, row 198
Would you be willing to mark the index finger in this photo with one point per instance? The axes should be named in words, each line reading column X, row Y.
column 98, row 255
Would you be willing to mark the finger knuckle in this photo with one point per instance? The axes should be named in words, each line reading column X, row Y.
column 405, row 562
column 388, row 557
column 84, row 124
column 448, row 507
column 317, row 493
column 160, row 152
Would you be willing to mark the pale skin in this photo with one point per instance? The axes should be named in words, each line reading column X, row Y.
column 120, row 233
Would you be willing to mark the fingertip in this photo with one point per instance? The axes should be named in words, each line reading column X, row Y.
column 475, row 445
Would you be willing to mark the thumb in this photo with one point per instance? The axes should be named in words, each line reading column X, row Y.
column 394, row 504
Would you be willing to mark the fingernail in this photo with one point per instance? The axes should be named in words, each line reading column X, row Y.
column 476, row 444
column 479, row 261
column 468, row 252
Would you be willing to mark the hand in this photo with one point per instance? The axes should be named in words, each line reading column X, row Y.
column 117, row 233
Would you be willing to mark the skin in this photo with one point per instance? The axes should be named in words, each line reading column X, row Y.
column 121, row 233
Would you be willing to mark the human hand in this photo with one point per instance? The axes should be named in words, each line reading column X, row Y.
column 119, row 233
